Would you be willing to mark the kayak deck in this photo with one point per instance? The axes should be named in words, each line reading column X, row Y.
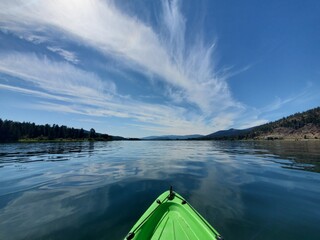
column 171, row 217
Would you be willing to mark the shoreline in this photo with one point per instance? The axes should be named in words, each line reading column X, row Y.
column 30, row 140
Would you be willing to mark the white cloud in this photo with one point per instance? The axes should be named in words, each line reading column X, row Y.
column 102, row 26
column 36, row 39
column 55, row 77
column 252, row 123
column 61, row 87
column 67, row 55
column 187, row 70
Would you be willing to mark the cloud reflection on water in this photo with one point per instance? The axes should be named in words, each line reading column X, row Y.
column 104, row 187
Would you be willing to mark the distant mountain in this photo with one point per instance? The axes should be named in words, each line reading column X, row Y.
column 173, row 137
column 305, row 125
column 228, row 133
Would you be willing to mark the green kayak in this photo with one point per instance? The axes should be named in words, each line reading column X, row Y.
column 172, row 217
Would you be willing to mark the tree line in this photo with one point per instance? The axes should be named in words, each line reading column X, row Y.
column 11, row 131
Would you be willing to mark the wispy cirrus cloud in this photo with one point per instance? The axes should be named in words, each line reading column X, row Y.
column 61, row 87
column 67, row 55
column 196, row 96
column 55, row 77
column 101, row 25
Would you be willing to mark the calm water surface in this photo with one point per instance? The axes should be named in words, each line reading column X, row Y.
column 246, row 190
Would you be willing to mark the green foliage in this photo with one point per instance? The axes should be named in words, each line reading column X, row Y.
column 11, row 131
column 92, row 133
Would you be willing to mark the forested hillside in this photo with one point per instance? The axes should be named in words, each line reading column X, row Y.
column 305, row 125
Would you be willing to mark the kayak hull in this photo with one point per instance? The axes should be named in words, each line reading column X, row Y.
column 171, row 217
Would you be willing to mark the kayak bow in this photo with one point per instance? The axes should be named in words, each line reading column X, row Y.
column 172, row 217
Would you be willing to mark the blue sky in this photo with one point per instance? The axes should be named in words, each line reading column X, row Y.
column 139, row 68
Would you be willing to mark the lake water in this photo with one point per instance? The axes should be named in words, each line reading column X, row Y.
column 97, row 190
